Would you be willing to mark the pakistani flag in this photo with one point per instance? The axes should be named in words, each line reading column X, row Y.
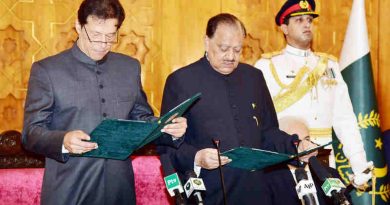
column 355, row 63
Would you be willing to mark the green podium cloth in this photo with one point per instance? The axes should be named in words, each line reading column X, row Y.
column 255, row 159
column 117, row 138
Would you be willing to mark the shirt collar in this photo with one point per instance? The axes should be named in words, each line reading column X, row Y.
column 81, row 56
column 206, row 61
column 297, row 52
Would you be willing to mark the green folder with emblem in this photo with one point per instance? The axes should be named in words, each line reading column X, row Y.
column 254, row 159
column 117, row 138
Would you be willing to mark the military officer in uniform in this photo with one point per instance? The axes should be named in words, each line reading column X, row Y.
column 309, row 86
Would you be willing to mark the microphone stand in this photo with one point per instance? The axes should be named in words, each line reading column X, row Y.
column 179, row 200
column 216, row 143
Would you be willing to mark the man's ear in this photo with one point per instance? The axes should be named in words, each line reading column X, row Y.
column 77, row 25
column 206, row 43
column 284, row 29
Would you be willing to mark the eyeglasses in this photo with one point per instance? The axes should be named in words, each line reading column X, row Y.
column 110, row 38
column 307, row 138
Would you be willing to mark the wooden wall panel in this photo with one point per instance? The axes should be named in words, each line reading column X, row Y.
column 140, row 37
column 383, row 82
column 167, row 34
column 183, row 28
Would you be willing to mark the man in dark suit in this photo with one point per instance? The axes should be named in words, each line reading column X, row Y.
column 280, row 179
column 69, row 94
column 235, row 108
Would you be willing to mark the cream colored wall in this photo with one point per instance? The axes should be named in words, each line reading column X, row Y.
column 165, row 35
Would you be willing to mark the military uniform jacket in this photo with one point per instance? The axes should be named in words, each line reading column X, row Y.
column 235, row 109
column 70, row 91
column 325, row 105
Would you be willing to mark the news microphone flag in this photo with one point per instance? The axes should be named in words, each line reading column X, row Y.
column 332, row 187
column 332, row 184
column 305, row 187
column 172, row 182
column 194, row 184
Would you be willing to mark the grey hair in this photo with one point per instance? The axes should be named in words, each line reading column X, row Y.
column 290, row 125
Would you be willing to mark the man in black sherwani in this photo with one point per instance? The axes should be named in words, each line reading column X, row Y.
column 235, row 108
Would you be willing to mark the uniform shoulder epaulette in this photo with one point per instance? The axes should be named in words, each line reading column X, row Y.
column 329, row 56
column 271, row 54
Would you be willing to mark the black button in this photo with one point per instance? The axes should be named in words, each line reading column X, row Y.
column 98, row 72
column 104, row 114
column 103, row 100
column 101, row 86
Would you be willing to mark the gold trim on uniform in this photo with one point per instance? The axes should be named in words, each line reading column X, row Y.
column 271, row 54
column 329, row 79
column 320, row 132
column 331, row 57
column 303, row 13
column 293, row 85
column 299, row 87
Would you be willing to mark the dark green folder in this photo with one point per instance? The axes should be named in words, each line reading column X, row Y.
column 117, row 138
column 255, row 159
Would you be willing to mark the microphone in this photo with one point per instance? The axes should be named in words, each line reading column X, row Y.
column 295, row 143
column 193, row 186
column 171, row 179
column 305, row 188
column 332, row 187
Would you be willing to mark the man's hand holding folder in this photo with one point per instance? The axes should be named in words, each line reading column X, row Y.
column 177, row 128
column 254, row 159
column 77, row 142
column 117, row 138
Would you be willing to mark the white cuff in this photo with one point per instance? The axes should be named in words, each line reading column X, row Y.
column 361, row 179
column 358, row 163
column 64, row 150
column 197, row 169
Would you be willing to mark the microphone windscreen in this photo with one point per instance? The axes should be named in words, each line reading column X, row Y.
column 166, row 165
column 190, row 174
column 318, row 169
column 300, row 174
